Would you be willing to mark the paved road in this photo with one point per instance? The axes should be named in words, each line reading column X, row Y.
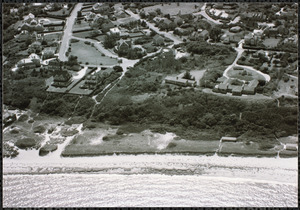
column 68, row 32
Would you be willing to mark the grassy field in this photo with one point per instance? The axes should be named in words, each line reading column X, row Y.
column 248, row 77
column 123, row 20
column 101, row 141
column 83, row 24
column 82, row 34
column 173, row 8
column 271, row 42
column 87, row 53
column 52, row 36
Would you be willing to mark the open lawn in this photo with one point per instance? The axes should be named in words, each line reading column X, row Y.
column 123, row 20
column 271, row 42
column 52, row 36
column 88, row 54
column 250, row 75
column 82, row 25
column 83, row 35
column 174, row 8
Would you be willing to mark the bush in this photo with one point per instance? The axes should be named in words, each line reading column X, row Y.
column 25, row 143
column 118, row 68
column 171, row 145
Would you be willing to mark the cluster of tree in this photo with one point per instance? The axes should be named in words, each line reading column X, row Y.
column 164, row 63
column 111, row 40
column 187, row 75
column 143, row 40
column 210, row 76
column 205, row 48
column 166, row 27
column 72, row 60
column 201, row 111
column 132, row 53
column 18, row 93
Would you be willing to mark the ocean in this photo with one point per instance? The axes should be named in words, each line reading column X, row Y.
column 150, row 181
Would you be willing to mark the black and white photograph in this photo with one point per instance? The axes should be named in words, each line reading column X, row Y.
column 149, row 104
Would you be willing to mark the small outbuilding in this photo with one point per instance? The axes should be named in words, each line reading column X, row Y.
column 228, row 139
column 291, row 147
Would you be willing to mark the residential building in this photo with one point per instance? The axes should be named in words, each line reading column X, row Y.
column 107, row 26
column 62, row 79
column 115, row 30
column 28, row 63
column 55, row 64
column 28, row 18
column 221, row 79
column 123, row 45
column 48, row 52
column 101, row 8
column 158, row 40
column 237, row 90
column 222, row 88
column 180, row 81
column 204, row 35
column 35, row 47
column 230, row 139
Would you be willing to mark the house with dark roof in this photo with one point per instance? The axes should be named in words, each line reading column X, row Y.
column 250, row 89
column 123, row 45
column 222, row 88
column 35, row 47
column 158, row 40
column 221, row 79
column 55, row 64
column 62, row 79
column 237, row 90
column 204, row 35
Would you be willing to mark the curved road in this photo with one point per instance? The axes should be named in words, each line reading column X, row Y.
column 203, row 13
column 240, row 51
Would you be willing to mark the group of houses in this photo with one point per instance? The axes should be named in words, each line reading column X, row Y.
column 236, row 87
column 92, row 80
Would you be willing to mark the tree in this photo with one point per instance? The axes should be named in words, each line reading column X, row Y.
column 44, row 42
column 118, row 68
column 187, row 75
column 215, row 33
column 143, row 14
column 110, row 41
column 158, row 11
